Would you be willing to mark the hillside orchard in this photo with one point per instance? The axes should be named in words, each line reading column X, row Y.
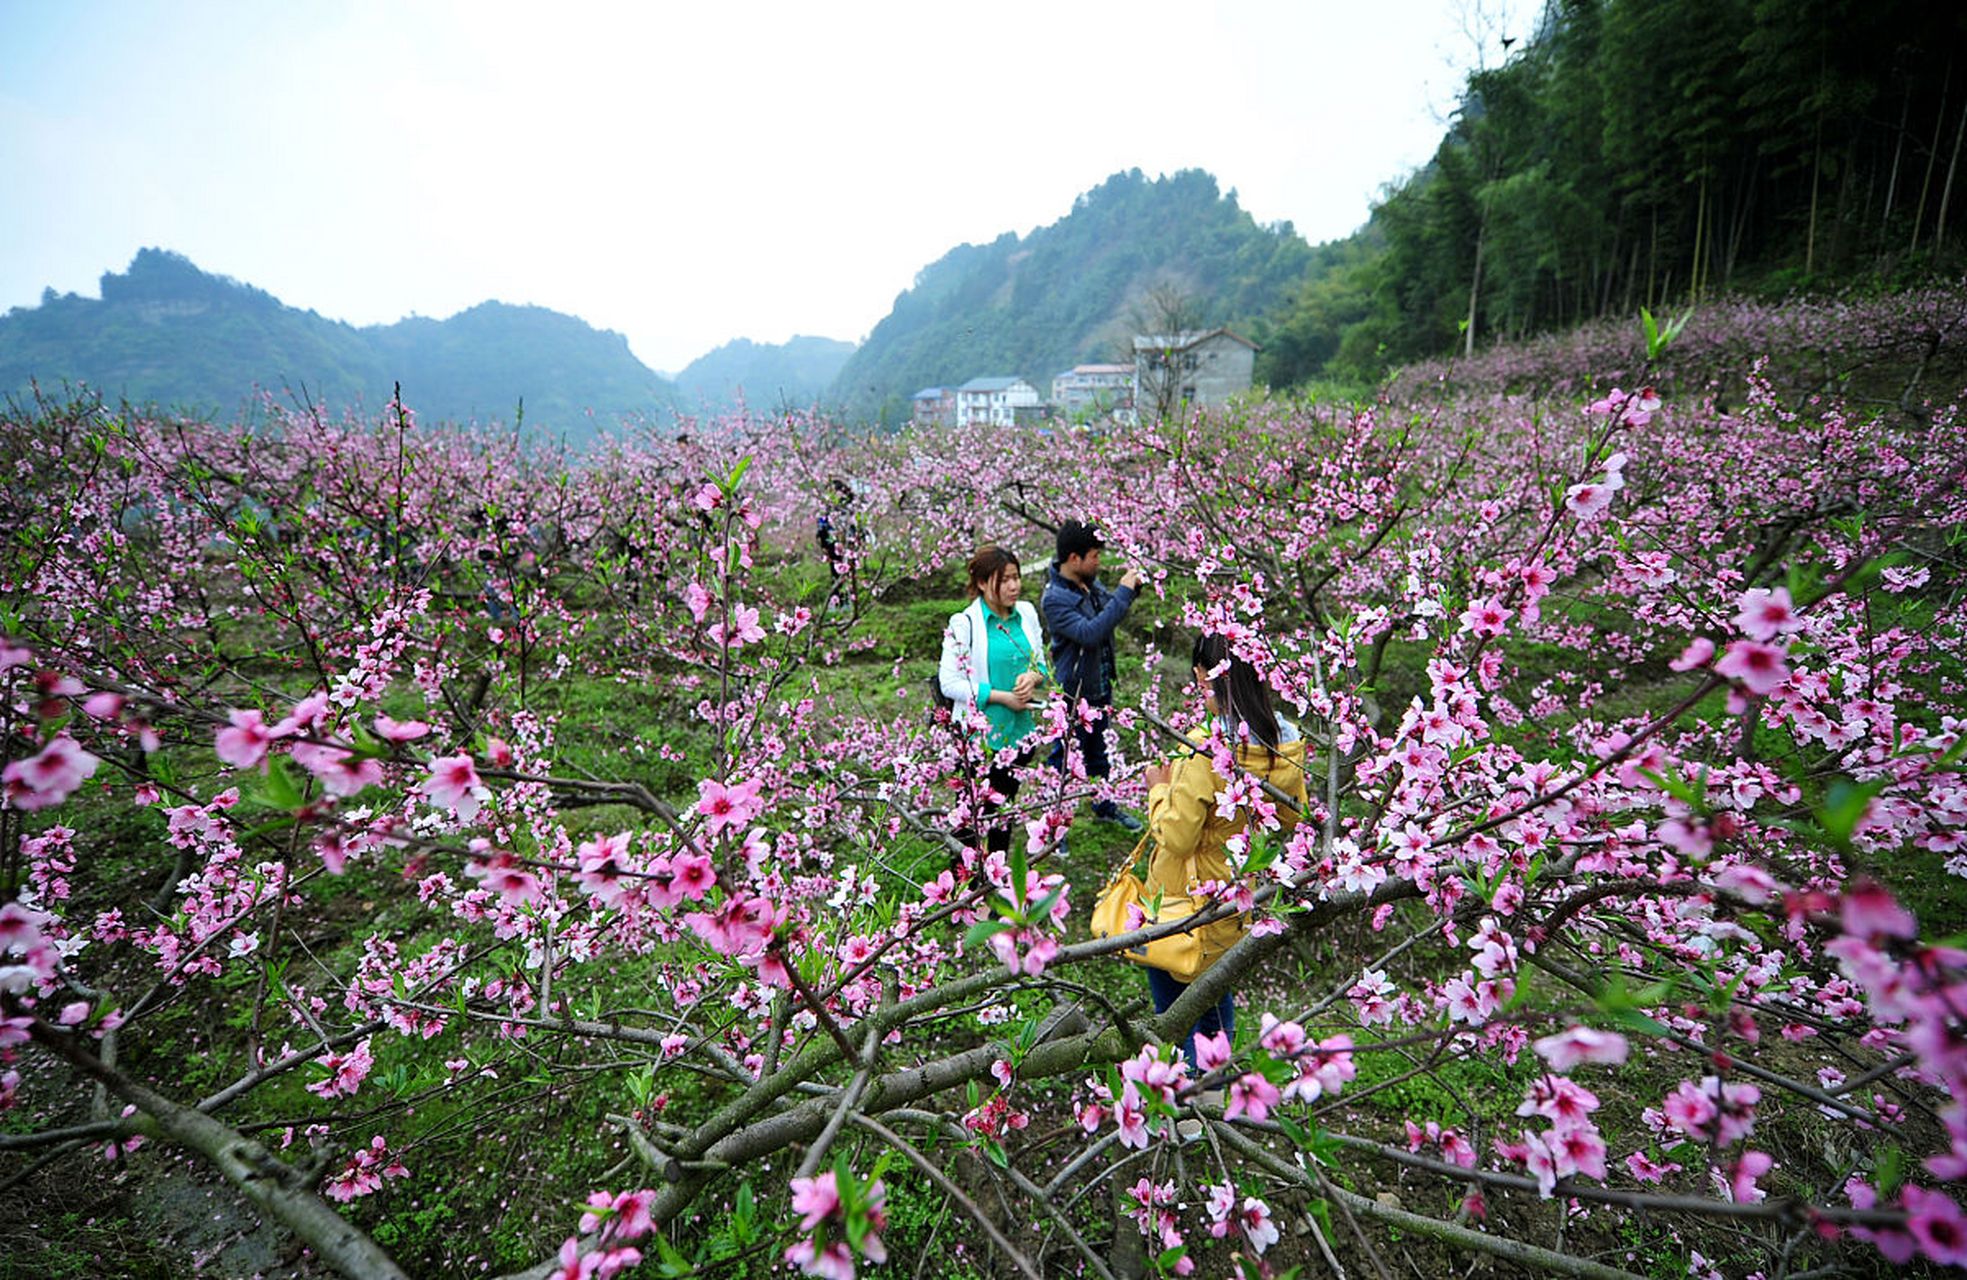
column 411, row 831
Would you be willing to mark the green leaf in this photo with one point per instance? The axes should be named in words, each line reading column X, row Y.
column 1845, row 806
column 1018, row 869
column 1046, row 904
column 983, row 929
column 279, row 789
column 1633, row 1020
column 1890, row 1170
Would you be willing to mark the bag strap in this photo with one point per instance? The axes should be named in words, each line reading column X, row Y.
column 1127, row 864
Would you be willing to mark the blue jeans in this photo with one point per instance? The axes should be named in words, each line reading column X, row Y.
column 1165, row 989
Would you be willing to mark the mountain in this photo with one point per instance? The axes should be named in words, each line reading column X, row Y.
column 166, row 332
column 1077, row 290
column 771, row 376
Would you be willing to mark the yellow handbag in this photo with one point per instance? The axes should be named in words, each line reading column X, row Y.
column 1178, row 954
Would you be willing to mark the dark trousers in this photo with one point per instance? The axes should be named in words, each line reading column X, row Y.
column 1092, row 749
column 1166, row 990
column 997, row 835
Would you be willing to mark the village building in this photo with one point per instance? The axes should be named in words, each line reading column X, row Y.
column 994, row 401
column 934, row 407
column 1092, row 389
column 1197, row 367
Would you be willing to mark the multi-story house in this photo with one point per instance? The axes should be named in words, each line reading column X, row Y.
column 993, row 400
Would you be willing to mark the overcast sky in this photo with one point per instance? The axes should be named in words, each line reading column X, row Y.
column 684, row 174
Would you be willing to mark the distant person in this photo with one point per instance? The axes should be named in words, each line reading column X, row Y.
column 1191, row 835
column 838, row 533
column 1082, row 616
column 993, row 659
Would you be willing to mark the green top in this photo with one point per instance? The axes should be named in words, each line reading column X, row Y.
column 1010, row 657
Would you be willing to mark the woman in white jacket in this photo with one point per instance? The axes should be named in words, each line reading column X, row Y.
column 993, row 661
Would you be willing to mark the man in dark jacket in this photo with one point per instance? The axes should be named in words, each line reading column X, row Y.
column 1082, row 615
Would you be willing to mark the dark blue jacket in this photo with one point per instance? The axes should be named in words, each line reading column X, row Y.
column 1082, row 622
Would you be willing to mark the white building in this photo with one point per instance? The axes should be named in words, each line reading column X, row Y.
column 1094, row 388
column 993, row 400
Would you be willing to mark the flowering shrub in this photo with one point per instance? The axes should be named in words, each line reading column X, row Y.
column 1636, row 739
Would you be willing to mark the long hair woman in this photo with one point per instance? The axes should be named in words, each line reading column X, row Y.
column 993, row 660
column 1190, row 838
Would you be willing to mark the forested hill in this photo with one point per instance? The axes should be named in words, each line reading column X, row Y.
column 792, row 374
column 1074, row 291
column 168, row 333
column 1657, row 153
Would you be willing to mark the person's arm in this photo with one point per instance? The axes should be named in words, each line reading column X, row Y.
column 1177, row 812
column 1067, row 621
column 953, row 671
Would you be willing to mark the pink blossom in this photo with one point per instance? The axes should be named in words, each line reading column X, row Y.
column 1486, row 617
column 1761, row 667
column 726, row 807
column 1251, row 1095
column 20, row 927
column 1743, row 1173
column 1128, row 1115
column 1257, row 1225
column 1568, row 1048
column 453, row 784
column 346, row 1072
column 1590, row 500
column 1751, row 884
column 815, row 1199
column 1937, row 1223
column 400, row 730
column 834, row 1262
column 48, row 777
column 697, row 600
column 340, row 772
column 1696, row 654
column 1766, row 614
column 1646, row 1169
column 1211, row 1052
column 1867, row 909
column 307, row 716
column 743, row 630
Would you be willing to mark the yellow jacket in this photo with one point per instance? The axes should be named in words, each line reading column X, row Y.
column 1182, row 820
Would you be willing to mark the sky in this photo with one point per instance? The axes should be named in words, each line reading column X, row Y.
column 682, row 174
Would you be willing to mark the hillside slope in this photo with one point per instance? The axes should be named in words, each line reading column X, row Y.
column 166, row 332
column 1074, row 291
column 796, row 373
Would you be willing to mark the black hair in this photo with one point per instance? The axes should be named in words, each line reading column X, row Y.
column 1240, row 692
column 988, row 564
column 1076, row 539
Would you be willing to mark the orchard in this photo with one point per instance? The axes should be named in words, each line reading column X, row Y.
column 476, row 860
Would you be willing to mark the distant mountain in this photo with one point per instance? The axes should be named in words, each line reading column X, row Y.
column 795, row 374
column 1077, row 290
column 168, row 333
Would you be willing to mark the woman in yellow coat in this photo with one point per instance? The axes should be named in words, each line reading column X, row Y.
column 1190, row 838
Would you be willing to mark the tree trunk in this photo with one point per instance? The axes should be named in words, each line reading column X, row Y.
column 1946, row 192
column 1474, row 287
column 1932, row 156
column 1700, row 231
column 1816, row 173
column 1898, row 150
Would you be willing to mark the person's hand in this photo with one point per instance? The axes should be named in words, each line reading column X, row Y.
column 1027, row 684
column 1159, row 774
column 1131, row 579
column 1017, row 697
